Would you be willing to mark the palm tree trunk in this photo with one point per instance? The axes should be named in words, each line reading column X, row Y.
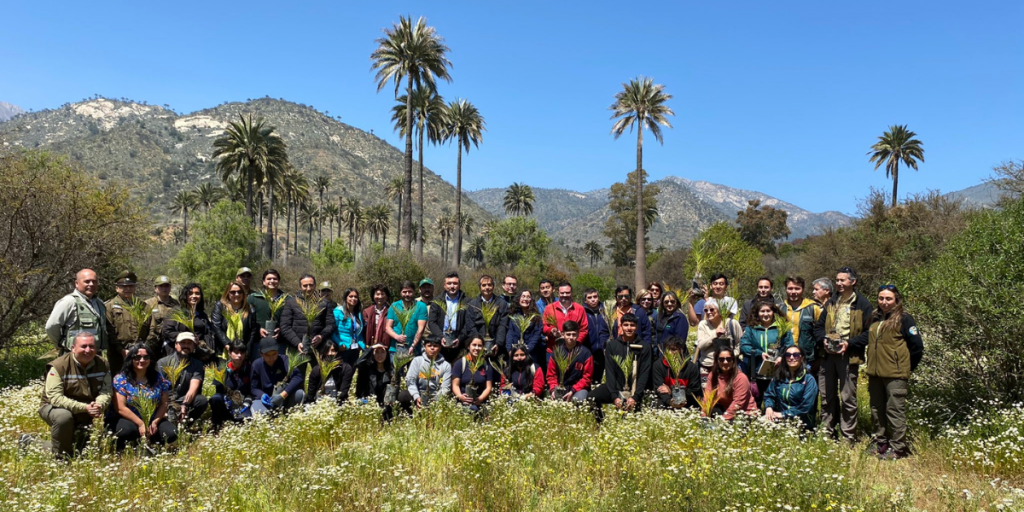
column 399, row 222
column 320, row 228
column 248, row 198
column 895, row 181
column 309, row 246
column 419, row 228
column 407, row 192
column 458, row 211
column 641, row 256
column 341, row 213
column 269, row 248
column 295, row 225
column 184, row 222
column 287, row 223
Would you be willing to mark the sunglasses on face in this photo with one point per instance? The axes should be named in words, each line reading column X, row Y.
column 793, row 355
column 647, row 299
column 140, row 358
column 890, row 287
column 236, row 292
column 622, row 296
column 726, row 359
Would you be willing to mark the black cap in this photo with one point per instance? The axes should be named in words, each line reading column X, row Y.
column 268, row 344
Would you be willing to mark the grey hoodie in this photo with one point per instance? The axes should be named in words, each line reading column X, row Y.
column 421, row 364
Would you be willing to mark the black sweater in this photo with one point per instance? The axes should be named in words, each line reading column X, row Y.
column 689, row 378
column 614, row 378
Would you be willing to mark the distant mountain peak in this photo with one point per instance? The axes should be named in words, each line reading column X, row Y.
column 8, row 111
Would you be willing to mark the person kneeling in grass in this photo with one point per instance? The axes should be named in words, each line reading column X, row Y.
column 627, row 369
column 186, row 374
column 339, row 379
column 429, row 377
column 231, row 400
column 731, row 386
column 793, row 393
column 675, row 373
column 141, row 395
column 270, row 381
column 376, row 372
column 571, row 383
column 472, row 377
column 521, row 378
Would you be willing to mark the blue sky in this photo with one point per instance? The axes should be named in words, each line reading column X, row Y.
column 781, row 97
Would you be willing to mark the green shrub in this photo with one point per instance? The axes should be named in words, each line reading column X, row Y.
column 334, row 256
column 604, row 287
column 222, row 240
column 388, row 268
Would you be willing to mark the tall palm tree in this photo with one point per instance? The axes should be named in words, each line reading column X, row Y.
column 445, row 225
column 475, row 250
column 464, row 125
column 309, row 215
column 394, row 190
column 594, row 251
column 321, row 184
column 467, row 224
column 183, row 202
column 207, row 195
column 641, row 103
column 271, row 181
column 417, row 55
column 352, row 215
column 378, row 220
column 330, row 214
column 895, row 145
column 429, row 109
column 519, row 200
column 248, row 150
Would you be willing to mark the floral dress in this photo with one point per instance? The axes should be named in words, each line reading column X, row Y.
column 131, row 390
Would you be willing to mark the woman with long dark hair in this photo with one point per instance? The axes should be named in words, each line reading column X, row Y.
column 472, row 377
column 526, row 308
column 760, row 340
column 894, row 350
column 348, row 331
column 793, row 392
column 669, row 321
column 140, row 390
column 193, row 305
column 731, row 387
column 521, row 377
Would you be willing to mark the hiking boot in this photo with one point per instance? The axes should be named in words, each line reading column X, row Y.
column 877, row 449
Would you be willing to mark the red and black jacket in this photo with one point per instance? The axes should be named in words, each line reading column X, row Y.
column 689, row 378
column 578, row 375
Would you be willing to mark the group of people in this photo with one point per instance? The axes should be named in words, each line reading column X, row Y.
column 269, row 351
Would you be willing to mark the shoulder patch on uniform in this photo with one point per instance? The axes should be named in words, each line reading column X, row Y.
column 913, row 330
column 53, row 373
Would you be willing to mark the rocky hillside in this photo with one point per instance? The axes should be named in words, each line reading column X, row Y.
column 8, row 111
column 686, row 208
column 985, row 195
column 159, row 152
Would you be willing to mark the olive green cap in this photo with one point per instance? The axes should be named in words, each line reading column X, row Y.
column 161, row 280
column 243, row 270
column 126, row 278
column 326, row 285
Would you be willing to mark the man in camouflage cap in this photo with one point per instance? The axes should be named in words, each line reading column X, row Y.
column 161, row 307
column 122, row 330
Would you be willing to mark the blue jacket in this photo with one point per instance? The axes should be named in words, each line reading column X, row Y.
column 643, row 326
column 532, row 338
column 675, row 325
column 756, row 339
column 264, row 379
column 597, row 328
column 796, row 399
column 348, row 329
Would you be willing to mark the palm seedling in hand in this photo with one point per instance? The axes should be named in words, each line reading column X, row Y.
column 708, row 400
column 139, row 311
column 403, row 316
column 475, row 365
column 327, row 365
column 429, row 374
column 446, row 338
column 172, row 372
column 675, row 365
column 626, row 365
column 186, row 317
column 146, row 407
column 562, row 358
column 274, row 305
column 488, row 310
column 522, row 322
column 311, row 308
column 235, row 328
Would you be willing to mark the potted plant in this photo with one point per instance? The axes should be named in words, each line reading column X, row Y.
column 274, row 305
column 833, row 341
column 562, row 358
column 139, row 313
column 311, row 308
column 399, row 359
column 448, row 337
column 628, row 366
column 488, row 310
column 675, row 365
column 172, row 372
column 707, row 404
column 403, row 316
column 475, row 365
column 430, row 375
column 522, row 322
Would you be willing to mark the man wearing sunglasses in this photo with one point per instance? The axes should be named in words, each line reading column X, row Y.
column 624, row 305
column 844, row 328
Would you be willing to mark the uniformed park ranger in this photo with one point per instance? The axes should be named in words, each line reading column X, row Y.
column 78, row 311
column 161, row 307
column 77, row 390
column 123, row 331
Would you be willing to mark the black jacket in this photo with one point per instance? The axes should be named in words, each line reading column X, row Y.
column 220, row 328
column 858, row 342
column 203, row 329
column 689, row 378
column 613, row 376
column 465, row 327
column 498, row 327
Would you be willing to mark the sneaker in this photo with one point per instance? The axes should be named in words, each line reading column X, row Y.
column 894, row 454
column 23, row 442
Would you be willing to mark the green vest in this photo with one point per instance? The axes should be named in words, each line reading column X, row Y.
column 86, row 320
column 856, row 327
column 888, row 355
column 80, row 384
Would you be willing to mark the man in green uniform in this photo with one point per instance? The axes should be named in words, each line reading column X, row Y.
column 77, row 390
column 123, row 332
column 161, row 307
column 78, row 311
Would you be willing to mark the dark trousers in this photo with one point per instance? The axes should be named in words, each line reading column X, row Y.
column 604, row 395
column 127, row 432
column 406, row 402
column 889, row 411
column 195, row 410
column 598, row 365
column 220, row 413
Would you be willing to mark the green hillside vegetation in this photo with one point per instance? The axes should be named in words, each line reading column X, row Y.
column 157, row 152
